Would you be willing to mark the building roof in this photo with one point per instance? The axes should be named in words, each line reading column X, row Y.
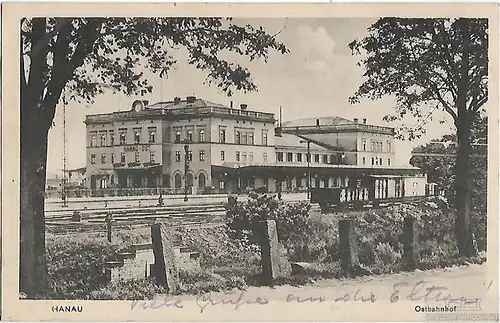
column 323, row 121
column 198, row 103
column 290, row 140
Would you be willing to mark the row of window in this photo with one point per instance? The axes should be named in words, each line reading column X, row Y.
column 243, row 137
column 201, row 156
column 137, row 158
column 190, row 136
column 103, row 137
column 376, row 146
column 303, row 157
column 377, row 161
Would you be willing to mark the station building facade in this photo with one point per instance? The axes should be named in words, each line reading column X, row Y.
column 208, row 147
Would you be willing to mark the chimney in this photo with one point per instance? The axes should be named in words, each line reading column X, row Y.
column 243, row 106
column 177, row 100
column 317, row 122
column 364, row 120
column 355, row 120
column 190, row 99
column 231, row 104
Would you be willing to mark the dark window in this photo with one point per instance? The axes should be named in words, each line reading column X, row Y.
column 111, row 138
column 152, row 136
column 373, row 161
column 325, row 159
column 237, row 156
column 92, row 141
column 244, row 139
column 103, row 140
column 316, row 158
column 222, row 136
column 389, row 161
column 122, row 158
column 112, row 158
column 123, row 138
column 178, row 137
column 289, row 157
column 137, row 136
column 222, row 155
column 92, row 159
column 137, row 157
column 237, row 139
column 202, row 135
column 364, row 160
column 103, row 159
column 202, row 155
column 279, row 157
column 264, row 138
column 177, row 156
column 152, row 156
column 250, row 138
column 190, row 156
column 190, row 136
column 299, row 157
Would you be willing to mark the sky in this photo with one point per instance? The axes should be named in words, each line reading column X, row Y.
column 315, row 79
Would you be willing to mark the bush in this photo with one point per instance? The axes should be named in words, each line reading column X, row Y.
column 76, row 266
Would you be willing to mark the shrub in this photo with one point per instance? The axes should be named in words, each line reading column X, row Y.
column 76, row 266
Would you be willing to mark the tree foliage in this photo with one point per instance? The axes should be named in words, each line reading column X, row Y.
column 440, row 169
column 421, row 63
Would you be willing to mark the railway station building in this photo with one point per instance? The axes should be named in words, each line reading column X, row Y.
column 207, row 147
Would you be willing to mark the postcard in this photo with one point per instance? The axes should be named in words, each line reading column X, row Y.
column 249, row 162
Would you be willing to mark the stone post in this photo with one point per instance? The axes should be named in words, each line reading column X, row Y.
column 410, row 241
column 348, row 248
column 165, row 268
column 270, row 258
column 109, row 224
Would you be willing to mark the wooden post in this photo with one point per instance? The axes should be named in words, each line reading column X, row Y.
column 165, row 267
column 348, row 249
column 270, row 258
column 410, row 241
column 109, row 223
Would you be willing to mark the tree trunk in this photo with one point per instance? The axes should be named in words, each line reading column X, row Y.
column 33, row 137
column 463, row 186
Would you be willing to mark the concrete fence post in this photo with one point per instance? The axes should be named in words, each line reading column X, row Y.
column 109, row 224
column 270, row 258
column 165, row 268
column 410, row 242
column 348, row 249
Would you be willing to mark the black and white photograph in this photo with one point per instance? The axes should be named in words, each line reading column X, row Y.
column 228, row 167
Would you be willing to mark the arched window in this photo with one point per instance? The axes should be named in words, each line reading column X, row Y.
column 178, row 136
column 178, row 180
column 189, row 180
column 190, row 136
column 202, row 135
column 202, row 180
column 103, row 140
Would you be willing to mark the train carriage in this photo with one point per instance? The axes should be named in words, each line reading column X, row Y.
column 373, row 190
